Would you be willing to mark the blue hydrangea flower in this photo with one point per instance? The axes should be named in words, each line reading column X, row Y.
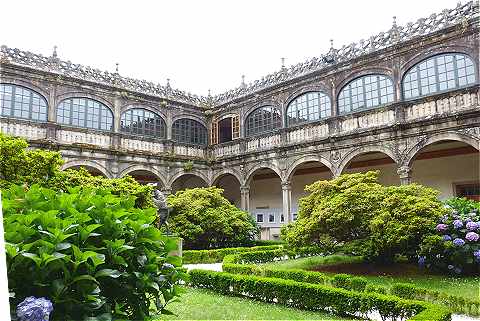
column 458, row 270
column 34, row 309
column 472, row 226
column 421, row 261
column 458, row 242
column 447, row 237
column 476, row 253
column 457, row 224
column 472, row 236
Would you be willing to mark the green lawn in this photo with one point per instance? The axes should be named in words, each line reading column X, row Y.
column 200, row 304
column 468, row 287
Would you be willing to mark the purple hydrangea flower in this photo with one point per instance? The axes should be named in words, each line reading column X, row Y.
column 472, row 236
column 457, row 224
column 442, row 227
column 458, row 242
column 34, row 309
column 447, row 237
column 476, row 253
column 472, row 226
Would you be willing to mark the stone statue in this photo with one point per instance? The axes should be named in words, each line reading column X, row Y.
column 162, row 208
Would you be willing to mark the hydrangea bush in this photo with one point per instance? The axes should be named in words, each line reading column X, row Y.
column 456, row 246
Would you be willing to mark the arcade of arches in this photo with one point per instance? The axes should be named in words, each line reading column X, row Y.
column 451, row 167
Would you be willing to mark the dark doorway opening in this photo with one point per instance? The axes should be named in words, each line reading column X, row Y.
column 225, row 130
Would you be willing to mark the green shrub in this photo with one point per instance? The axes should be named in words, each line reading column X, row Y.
column 314, row 297
column 381, row 222
column 90, row 252
column 205, row 219
column 217, row 255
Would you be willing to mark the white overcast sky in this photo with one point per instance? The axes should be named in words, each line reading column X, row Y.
column 199, row 44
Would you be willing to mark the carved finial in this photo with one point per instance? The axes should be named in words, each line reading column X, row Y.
column 331, row 43
column 283, row 62
column 54, row 54
column 168, row 82
column 116, row 67
column 243, row 80
column 394, row 24
column 209, row 93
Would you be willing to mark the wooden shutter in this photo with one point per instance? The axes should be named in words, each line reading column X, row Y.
column 214, row 133
column 235, row 127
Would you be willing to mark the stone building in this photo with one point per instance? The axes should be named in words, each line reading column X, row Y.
column 405, row 102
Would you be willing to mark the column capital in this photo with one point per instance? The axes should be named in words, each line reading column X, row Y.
column 405, row 174
column 286, row 185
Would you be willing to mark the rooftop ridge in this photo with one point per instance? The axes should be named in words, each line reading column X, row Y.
column 423, row 26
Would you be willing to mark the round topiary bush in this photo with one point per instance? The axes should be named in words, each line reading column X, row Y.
column 205, row 219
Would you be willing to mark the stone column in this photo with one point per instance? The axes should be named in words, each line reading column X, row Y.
column 405, row 174
column 287, row 201
column 245, row 198
column 167, row 190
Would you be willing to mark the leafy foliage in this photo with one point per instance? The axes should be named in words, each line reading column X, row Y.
column 92, row 253
column 205, row 219
column 380, row 222
column 217, row 255
column 19, row 165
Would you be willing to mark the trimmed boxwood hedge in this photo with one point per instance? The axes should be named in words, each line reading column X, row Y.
column 217, row 255
column 237, row 264
column 316, row 297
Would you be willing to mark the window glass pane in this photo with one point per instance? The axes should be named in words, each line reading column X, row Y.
column 365, row 92
column 189, row 131
column 140, row 121
column 262, row 120
column 308, row 107
column 21, row 102
column 438, row 73
column 85, row 112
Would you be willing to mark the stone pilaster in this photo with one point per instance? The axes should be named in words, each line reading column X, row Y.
column 245, row 198
column 287, row 201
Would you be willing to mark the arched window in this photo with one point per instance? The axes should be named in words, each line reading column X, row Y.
column 438, row 73
column 85, row 112
column 140, row 121
column 365, row 92
column 189, row 131
column 262, row 120
column 21, row 102
column 308, row 107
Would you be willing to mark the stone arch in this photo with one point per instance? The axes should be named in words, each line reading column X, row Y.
column 158, row 174
column 304, row 159
column 29, row 85
column 227, row 171
column 88, row 163
column 190, row 116
column 181, row 173
column 455, row 136
column 320, row 87
column 251, row 172
column 362, row 150
column 80, row 94
column 438, row 50
column 384, row 71
column 262, row 103
column 145, row 106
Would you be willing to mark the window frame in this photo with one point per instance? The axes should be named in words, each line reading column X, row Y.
column 195, row 131
column 85, row 114
column 380, row 77
column 161, row 129
column 437, row 83
column 275, row 123
column 33, row 95
column 325, row 108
